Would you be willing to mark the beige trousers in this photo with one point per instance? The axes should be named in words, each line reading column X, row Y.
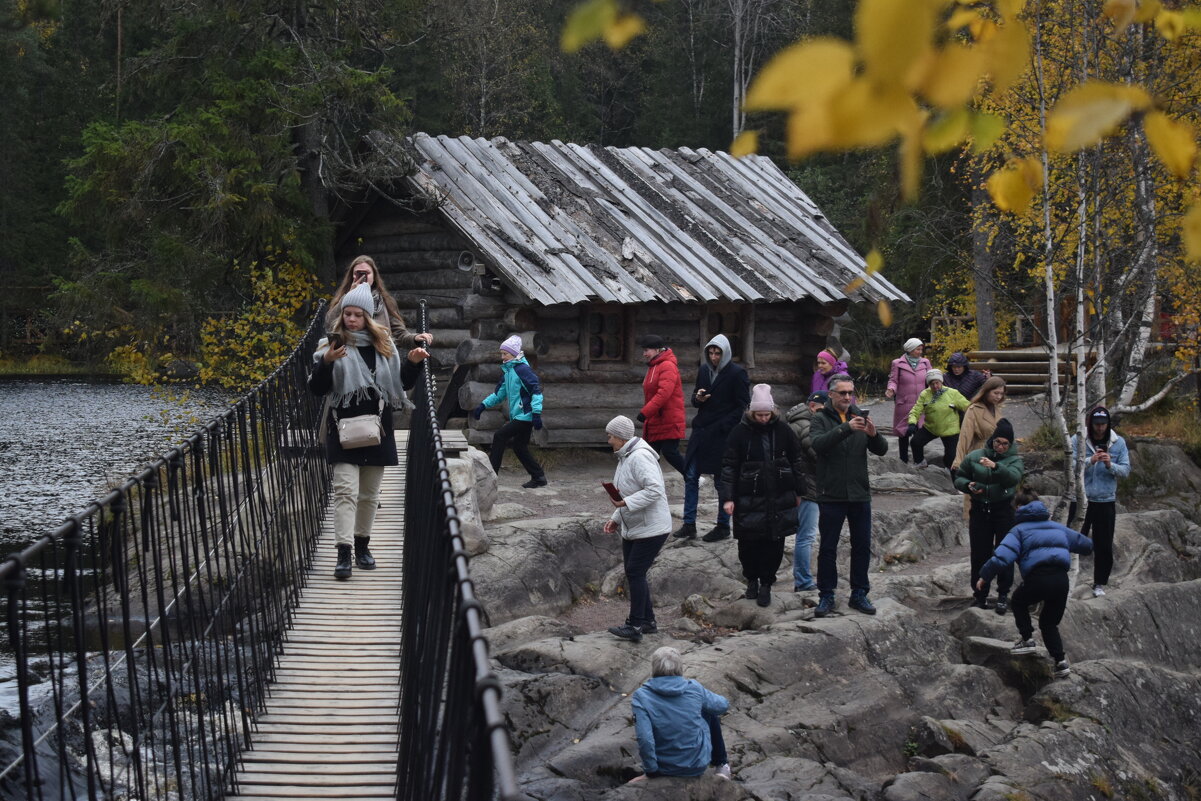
column 356, row 497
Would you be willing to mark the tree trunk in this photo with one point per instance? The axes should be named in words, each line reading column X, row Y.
column 983, row 271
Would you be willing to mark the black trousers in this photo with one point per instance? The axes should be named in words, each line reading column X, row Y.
column 986, row 527
column 903, row 447
column 761, row 558
column 1098, row 526
column 515, row 434
column 1050, row 587
column 670, row 448
column 924, row 437
column 637, row 556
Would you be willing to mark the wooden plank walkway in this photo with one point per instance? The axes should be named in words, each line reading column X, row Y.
column 330, row 730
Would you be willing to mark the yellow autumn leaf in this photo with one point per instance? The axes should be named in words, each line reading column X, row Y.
column 884, row 312
column 745, row 144
column 808, row 72
column 1192, row 18
column 875, row 261
column 867, row 115
column 1121, row 12
column 1173, row 141
column 1170, row 24
column 1191, row 233
column 586, row 23
column 962, row 18
column 953, row 75
column 620, row 31
column 1147, row 9
column 911, row 156
column 1091, row 111
column 1008, row 54
column 854, row 285
column 892, row 35
column 1013, row 186
column 986, row 130
column 947, row 131
column 1009, row 9
column 809, row 131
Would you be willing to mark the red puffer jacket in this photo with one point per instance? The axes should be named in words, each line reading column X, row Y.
column 663, row 399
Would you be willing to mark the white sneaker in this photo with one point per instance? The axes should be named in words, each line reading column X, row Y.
column 1098, row 590
column 702, row 481
column 921, row 465
column 723, row 770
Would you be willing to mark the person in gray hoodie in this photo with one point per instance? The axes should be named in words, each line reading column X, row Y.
column 678, row 722
column 643, row 518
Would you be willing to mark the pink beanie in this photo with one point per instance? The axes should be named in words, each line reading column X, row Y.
column 828, row 356
column 761, row 400
column 512, row 345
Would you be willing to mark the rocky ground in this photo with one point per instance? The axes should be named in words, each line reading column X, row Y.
column 920, row 702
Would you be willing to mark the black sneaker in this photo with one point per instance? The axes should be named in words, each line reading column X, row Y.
column 1002, row 606
column 627, row 632
column 1024, row 646
column 764, row 598
column 979, row 603
column 716, row 534
column 859, row 602
column 686, row 531
column 1062, row 669
column 825, row 606
column 535, row 482
column 649, row 628
column 752, row 590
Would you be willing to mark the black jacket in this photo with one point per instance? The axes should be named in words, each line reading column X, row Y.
column 321, row 381
column 761, row 472
column 842, row 457
column 729, row 396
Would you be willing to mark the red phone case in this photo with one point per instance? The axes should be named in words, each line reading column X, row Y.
column 612, row 490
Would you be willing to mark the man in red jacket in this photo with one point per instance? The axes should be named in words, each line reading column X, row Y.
column 662, row 414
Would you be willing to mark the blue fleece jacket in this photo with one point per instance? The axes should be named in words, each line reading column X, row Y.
column 673, row 737
column 520, row 387
column 1036, row 541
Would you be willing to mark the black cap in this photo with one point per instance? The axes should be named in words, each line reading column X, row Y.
column 1099, row 413
column 821, row 396
column 651, row 341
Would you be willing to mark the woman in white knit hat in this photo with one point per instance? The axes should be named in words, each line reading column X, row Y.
column 359, row 368
column 906, row 380
column 762, row 480
column 643, row 518
column 518, row 385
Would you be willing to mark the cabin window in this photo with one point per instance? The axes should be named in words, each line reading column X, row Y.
column 606, row 335
column 734, row 322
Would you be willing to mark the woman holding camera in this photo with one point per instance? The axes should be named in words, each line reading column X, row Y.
column 360, row 370
column 362, row 271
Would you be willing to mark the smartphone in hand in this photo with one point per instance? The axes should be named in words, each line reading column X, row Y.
column 614, row 493
column 335, row 341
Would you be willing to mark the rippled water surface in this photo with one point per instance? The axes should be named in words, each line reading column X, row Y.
column 64, row 443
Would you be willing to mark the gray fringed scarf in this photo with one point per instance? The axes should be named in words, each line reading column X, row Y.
column 353, row 382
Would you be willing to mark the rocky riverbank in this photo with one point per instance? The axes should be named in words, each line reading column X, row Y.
column 922, row 701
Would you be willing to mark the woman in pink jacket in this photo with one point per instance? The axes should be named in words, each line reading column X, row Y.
column 906, row 380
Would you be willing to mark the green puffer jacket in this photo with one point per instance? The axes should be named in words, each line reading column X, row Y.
column 942, row 413
column 1000, row 482
column 842, row 457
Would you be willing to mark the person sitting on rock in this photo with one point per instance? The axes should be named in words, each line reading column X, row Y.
column 678, row 722
column 1043, row 552
column 762, row 479
column 989, row 477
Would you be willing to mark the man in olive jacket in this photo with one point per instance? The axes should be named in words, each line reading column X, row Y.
column 842, row 436
column 990, row 477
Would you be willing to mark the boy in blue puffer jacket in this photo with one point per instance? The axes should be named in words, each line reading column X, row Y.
column 1043, row 551
column 521, row 388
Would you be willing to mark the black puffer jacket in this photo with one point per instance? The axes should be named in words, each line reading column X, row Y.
column 762, row 473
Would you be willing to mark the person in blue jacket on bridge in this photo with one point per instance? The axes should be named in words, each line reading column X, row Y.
column 521, row 388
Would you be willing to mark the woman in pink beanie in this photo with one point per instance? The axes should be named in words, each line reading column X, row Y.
column 827, row 365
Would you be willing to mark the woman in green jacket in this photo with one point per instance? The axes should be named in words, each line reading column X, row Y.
column 990, row 477
column 941, row 406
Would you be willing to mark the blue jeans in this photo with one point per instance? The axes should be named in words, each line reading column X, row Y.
column 718, row 756
column 859, row 517
column 692, row 491
column 802, row 551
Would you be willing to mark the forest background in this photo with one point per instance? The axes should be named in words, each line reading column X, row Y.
column 172, row 166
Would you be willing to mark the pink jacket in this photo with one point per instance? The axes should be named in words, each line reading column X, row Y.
column 907, row 383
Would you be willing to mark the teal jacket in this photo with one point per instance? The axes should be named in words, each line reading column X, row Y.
column 942, row 413
column 520, row 387
column 999, row 483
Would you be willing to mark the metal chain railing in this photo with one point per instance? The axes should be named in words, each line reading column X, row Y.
column 454, row 742
column 143, row 632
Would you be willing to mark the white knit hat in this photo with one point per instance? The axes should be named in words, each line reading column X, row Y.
column 761, row 399
column 621, row 427
column 512, row 345
column 360, row 296
column 911, row 344
column 933, row 375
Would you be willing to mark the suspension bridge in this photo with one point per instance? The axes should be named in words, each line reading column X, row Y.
column 183, row 638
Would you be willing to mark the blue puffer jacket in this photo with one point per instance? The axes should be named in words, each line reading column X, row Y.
column 673, row 738
column 1101, row 481
column 520, row 387
column 1036, row 540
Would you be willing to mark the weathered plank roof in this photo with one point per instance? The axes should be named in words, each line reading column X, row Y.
column 565, row 223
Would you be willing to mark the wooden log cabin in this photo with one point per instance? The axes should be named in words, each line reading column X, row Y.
column 582, row 249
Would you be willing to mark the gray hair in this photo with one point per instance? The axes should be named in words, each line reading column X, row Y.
column 666, row 661
column 832, row 380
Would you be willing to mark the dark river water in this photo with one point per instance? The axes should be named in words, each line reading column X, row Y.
column 66, row 442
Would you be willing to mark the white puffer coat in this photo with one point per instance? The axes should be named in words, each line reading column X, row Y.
column 640, row 482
